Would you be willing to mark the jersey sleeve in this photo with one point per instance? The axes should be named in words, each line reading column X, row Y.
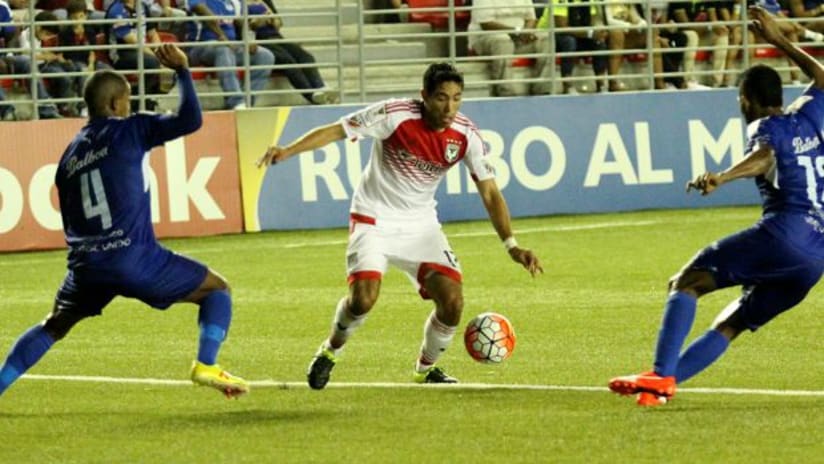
column 759, row 133
column 372, row 121
column 475, row 158
column 811, row 105
column 153, row 130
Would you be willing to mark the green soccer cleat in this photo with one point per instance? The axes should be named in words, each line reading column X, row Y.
column 213, row 376
column 433, row 375
column 320, row 368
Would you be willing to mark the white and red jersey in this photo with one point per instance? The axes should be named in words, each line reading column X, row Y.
column 409, row 158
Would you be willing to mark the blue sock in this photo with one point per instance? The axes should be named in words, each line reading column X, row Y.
column 214, row 319
column 700, row 354
column 679, row 314
column 29, row 348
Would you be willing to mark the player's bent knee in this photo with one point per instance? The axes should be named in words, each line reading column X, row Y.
column 732, row 326
column 362, row 301
column 450, row 309
column 59, row 323
column 218, row 282
column 693, row 281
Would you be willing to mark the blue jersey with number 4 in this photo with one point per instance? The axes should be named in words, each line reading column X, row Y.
column 103, row 184
column 793, row 192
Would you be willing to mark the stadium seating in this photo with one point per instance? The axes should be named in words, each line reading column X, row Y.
column 438, row 19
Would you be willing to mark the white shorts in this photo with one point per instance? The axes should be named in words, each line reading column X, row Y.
column 415, row 247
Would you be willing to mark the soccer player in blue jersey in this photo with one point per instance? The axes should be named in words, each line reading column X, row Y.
column 777, row 260
column 104, row 203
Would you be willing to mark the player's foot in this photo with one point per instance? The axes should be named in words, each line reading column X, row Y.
column 321, row 368
column 213, row 376
column 650, row 400
column 648, row 382
column 434, row 375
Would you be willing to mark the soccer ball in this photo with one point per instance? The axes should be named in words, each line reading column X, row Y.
column 489, row 338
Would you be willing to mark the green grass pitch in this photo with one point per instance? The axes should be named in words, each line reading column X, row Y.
column 592, row 315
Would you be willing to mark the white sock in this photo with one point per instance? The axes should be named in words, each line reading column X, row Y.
column 343, row 326
column 436, row 339
column 814, row 36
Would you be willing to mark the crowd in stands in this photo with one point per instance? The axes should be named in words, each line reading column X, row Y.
column 116, row 37
column 669, row 35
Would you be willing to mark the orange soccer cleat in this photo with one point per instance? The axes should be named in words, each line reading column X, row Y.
column 647, row 382
column 650, row 400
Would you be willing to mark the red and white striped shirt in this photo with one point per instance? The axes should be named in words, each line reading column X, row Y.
column 409, row 158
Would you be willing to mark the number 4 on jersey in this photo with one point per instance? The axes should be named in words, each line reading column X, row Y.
column 91, row 181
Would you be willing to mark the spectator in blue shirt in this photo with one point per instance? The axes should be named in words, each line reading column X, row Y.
column 125, row 31
column 221, row 54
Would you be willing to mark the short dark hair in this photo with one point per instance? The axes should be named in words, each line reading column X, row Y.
column 438, row 73
column 47, row 16
column 76, row 6
column 101, row 88
column 761, row 84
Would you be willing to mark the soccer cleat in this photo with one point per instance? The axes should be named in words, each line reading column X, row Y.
column 321, row 368
column 650, row 400
column 213, row 376
column 433, row 375
column 648, row 382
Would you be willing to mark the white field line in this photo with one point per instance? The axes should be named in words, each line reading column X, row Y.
column 318, row 243
column 490, row 233
column 390, row 385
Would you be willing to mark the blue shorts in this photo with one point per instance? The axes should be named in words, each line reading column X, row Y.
column 775, row 276
column 152, row 274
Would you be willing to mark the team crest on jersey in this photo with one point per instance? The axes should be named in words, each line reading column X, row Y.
column 453, row 148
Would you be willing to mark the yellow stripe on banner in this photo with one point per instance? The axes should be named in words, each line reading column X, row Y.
column 257, row 129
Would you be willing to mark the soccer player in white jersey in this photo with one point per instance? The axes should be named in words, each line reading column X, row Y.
column 393, row 217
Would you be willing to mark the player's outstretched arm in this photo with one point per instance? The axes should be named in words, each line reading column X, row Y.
column 315, row 138
column 755, row 164
column 764, row 24
column 498, row 211
column 189, row 117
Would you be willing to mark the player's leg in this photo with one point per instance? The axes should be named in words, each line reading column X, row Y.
column 213, row 297
column 424, row 254
column 443, row 285
column 691, row 282
column 73, row 303
column 25, row 353
column 366, row 263
column 164, row 278
column 759, row 305
column 350, row 313
column 214, row 300
column 752, row 255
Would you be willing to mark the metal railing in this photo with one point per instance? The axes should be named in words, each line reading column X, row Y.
column 368, row 77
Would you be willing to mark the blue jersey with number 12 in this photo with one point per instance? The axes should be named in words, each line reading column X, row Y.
column 793, row 192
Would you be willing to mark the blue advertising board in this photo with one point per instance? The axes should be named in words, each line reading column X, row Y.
column 554, row 154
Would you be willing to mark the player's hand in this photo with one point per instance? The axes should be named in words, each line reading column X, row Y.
column 705, row 183
column 273, row 155
column 527, row 259
column 764, row 24
column 172, row 57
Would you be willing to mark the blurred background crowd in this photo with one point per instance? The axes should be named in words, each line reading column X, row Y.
column 315, row 52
